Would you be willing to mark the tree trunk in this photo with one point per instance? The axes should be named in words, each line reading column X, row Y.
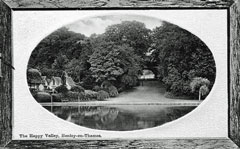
column 199, row 95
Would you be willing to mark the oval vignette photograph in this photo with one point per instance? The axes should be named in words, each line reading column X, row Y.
column 120, row 72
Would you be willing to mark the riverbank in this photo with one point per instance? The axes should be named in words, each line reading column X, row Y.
column 101, row 103
column 152, row 92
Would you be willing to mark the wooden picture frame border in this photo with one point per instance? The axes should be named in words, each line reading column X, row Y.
column 6, row 73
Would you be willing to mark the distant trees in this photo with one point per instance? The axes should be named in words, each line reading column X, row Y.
column 133, row 33
column 181, row 56
column 121, row 53
column 60, row 42
column 60, row 63
column 76, row 68
column 49, row 72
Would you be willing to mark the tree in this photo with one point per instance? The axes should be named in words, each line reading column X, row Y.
column 201, row 86
column 119, row 55
column 49, row 73
column 129, row 81
column 61, row 89
column 203, row 91
column 76, row 69
column 133, row 33
column 180, row 57
column 111, row 62
column 77, row 88
column 34, row 76
column 60, row 42
column 60, row 63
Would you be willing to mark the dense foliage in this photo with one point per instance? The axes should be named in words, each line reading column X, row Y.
column 43, row 97
column 102, row 95
column 34, row 76
column 120, row 54
column 133, row 33
column 200, row 86
column 61, row 89
column 180, row 56
column 77, row 88
column 112, row 62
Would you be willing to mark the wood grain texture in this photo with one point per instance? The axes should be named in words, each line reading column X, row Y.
column 6, row 80
column 158, row 144
column 235, row 73
column 116, row 3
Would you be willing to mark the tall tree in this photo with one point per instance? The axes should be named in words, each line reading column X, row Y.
column 133, row 33
column 111, row 62
column 60, row 42
column 181, row 56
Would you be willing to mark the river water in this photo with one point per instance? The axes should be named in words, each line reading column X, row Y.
column 120, row 117
column 141, row 107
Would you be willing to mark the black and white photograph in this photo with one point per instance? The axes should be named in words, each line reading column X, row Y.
column 121, row 59
column 128, row 72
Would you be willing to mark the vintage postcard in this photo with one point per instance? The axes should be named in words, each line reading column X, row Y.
column 120, row 74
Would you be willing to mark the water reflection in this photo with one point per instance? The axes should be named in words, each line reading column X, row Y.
column 120, row 118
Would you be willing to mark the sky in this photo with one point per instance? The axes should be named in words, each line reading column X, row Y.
column 98, row 24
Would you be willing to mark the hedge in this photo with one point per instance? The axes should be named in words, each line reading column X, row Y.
column 91, row 95
column 96, row 88
column 43, row 97
column 102, row 95
column 77, row 88
column 61, row 89
column 75, row 96
column 57, row 97
column 112, row 90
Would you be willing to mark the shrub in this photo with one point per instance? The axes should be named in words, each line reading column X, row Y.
column 77, row 88
column 169, row 95
column 89, row 94
column 96, row 88
column 204, row 90
column 129, row 80
column 200, row 86
column 112, row 90
column 61, row 89
column 33, row 91
column 121, row 88
column 102, row 95
column 75, row 96
column 43, row 97
column 88, row 82
column 173, row 96
column 57, row 97
column 34, row 76
column 106, row 84
column 197, row 82
column 51, row 72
